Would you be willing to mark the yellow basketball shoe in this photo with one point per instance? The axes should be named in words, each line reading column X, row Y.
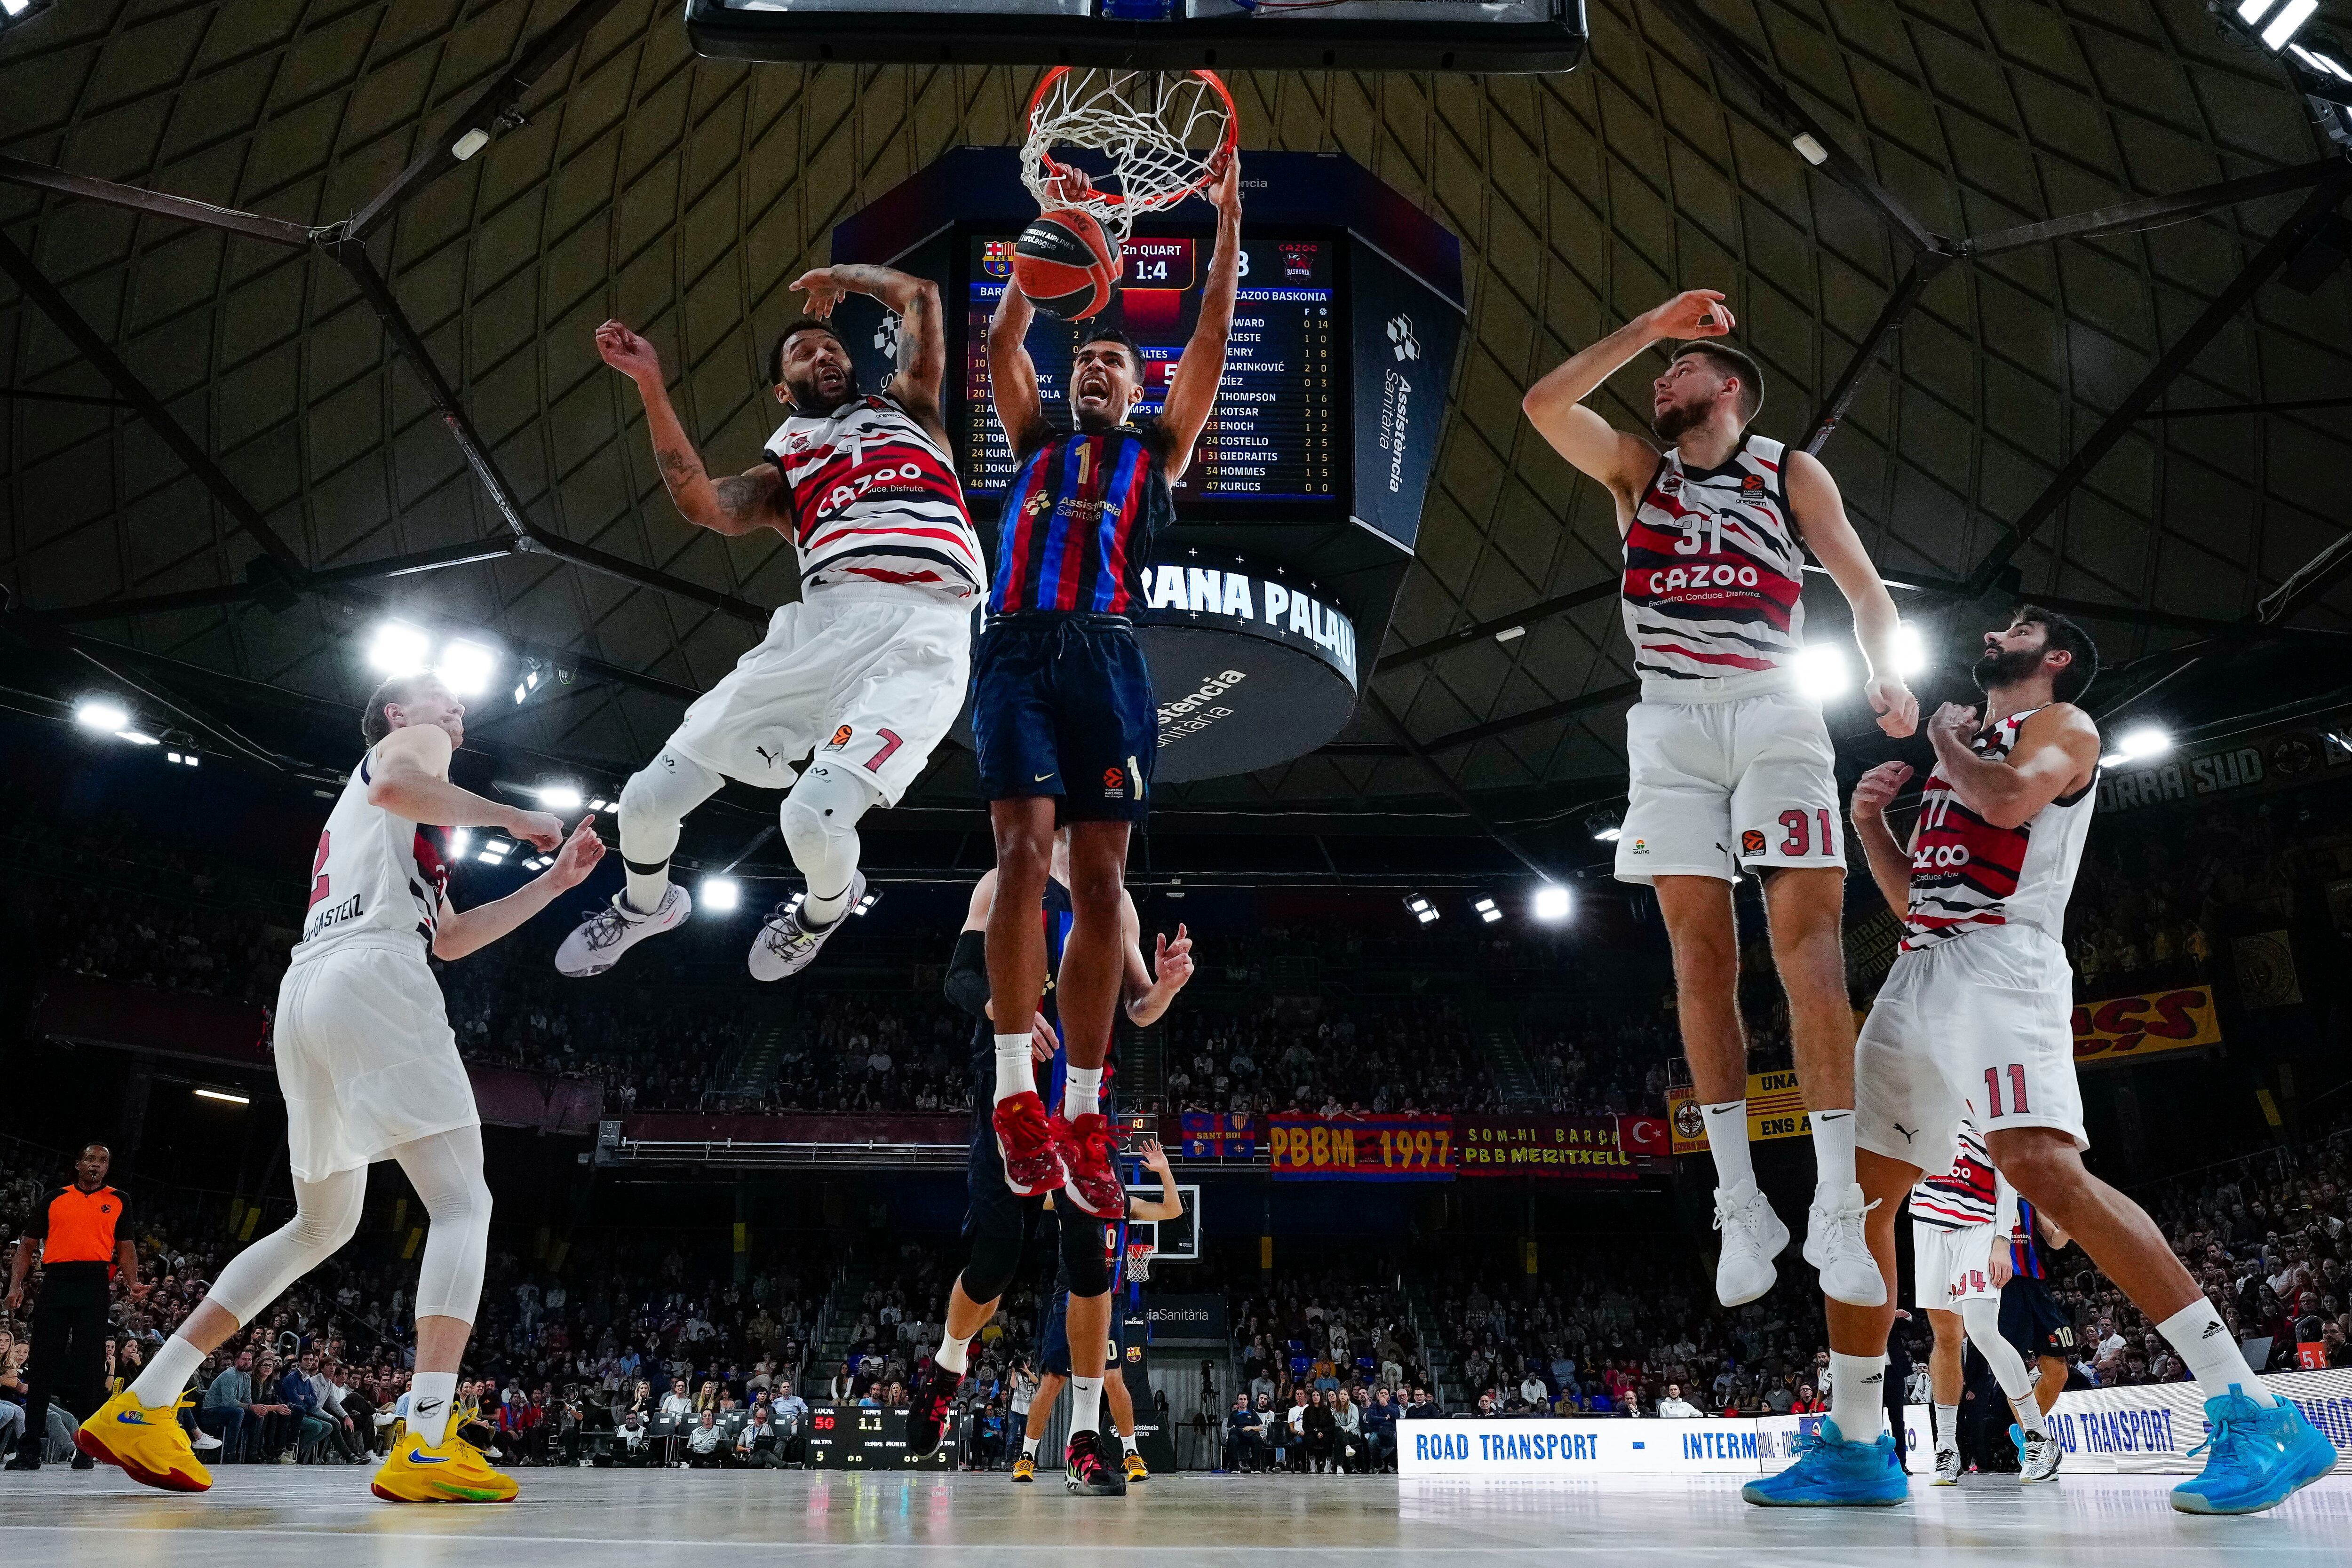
column 1137, row 1470
column 454, row 1471
column 1024, row 1470
column 146, row 1442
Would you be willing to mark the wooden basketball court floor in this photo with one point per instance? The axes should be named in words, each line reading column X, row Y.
column 265, row 1516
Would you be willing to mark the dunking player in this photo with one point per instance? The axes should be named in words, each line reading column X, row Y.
column 1062, row 706
column 1960, row 1222
column 1974, row 1021
column 868, row 668
column 1054, row 1333
column 370, row 1071
column 1731, row 766
column 1001, row 1222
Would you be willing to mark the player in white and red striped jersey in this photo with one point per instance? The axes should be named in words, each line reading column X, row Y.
column 1731, row 763
column 866, row 672
column 1975, row 1021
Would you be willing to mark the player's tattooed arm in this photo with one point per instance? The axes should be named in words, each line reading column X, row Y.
column 1201, row 371
column 922, row 330
column 733, row 504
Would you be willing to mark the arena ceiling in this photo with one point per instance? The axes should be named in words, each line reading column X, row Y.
column 681, row 194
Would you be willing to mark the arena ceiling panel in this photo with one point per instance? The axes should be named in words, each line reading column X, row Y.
column 682, row 194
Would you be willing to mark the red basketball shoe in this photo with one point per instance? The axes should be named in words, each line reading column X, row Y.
column 934, row 1406
column 1090, row 1155
column 1026, row 1145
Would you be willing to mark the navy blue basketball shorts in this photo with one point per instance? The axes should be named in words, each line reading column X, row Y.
column 1062, row 705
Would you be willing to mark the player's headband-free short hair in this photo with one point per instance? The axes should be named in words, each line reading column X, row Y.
column 804, row 324
column 2068, row 634
column 397, row 692
column 1730, row 361
column 1113, row 335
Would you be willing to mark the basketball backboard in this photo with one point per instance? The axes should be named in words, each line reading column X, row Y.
column 1488, row 37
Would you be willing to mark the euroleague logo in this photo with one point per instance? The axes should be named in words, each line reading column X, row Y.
column 1114, row 779
column 1690, row 1121
column 1752, row 841
column 840, row 738
column 1753, row 481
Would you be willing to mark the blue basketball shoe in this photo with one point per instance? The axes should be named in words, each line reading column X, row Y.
column 1831, row 1472
column 2255, row 1457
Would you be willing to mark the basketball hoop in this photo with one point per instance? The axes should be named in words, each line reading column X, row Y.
column 1163, row 133
column 1138, row 1261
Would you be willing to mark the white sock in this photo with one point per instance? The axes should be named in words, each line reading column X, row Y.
column 167, row 1373
column 1029, row 1447
column 952, row 1353
column 1127, row 1441
column 2212, row 1353
column 1858, row 1396
column 1081, row 1091
column 646, row 889
column 431, row 1398
column 1085, row 1404
column 1727, row 1135
column 1016, row 1075
column 1947, row 1425
column 1833, row 1151
column 819, row 911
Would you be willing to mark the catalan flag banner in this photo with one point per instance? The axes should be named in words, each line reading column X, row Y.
column 1366, row 1149
column 1219, row 1136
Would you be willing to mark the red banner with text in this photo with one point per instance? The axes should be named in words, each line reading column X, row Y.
column 1366, row 1149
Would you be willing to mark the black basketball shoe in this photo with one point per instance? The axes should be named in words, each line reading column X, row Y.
column 927, row 1418
column 1092, row 1472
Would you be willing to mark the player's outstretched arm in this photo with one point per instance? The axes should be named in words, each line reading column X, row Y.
column 1169, row 1204
column 412, row 781
column 1819, row 512
column 922, row 330
column 1595, row 447
column 1192, row 395
column 732, row 504
column 1012, row 374
column 1149, row 990
column 1890, row 864
column 2057, row 752
column 463, row 931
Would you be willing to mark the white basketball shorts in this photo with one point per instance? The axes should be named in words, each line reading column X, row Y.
column 872, row 677
column 365, row 1057
column 1982, row 1023
column 1718, row 786
column 1950, row 1266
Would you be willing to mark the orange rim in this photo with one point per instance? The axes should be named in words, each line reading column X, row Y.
column 1225, row 149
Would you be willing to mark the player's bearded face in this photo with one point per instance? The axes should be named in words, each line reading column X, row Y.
column 1681, row 402
column 2005, row 663
column 817, row 372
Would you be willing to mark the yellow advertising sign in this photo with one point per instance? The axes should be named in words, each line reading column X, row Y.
column 2124, row 1028
column 1776, row 1109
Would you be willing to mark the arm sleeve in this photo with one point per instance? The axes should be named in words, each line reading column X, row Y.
column 967, row 981
column 2004, row 1208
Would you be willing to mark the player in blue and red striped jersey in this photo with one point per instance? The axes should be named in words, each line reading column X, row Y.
column 1062, row 705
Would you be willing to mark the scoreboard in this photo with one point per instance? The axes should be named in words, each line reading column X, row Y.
column 865, row 1438
column 1279, row 431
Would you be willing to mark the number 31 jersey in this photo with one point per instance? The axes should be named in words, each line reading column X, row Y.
column 1966, row 874
column 378, row 879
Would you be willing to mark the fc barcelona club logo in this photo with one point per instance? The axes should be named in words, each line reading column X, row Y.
column 1751, row 842
column 840, row 738
column 997, row 258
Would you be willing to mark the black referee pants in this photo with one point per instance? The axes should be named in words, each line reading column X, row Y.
column 69, row 1340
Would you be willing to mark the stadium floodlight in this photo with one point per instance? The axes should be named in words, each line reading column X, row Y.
column 466, row 668
column 1604, row 826
column 15, row 7
column 495, row 851
column 1823, row 671
column 2276, row 23
column 2137, row 745
column 398, row 649
column 1486, row 910
column 1910, row 650
column 867, row 903
column 557, row 796
column 1551, row 901
column 102, row 713
column 600, row 804
column 719, row 895
column 137, row 737
column 528, row 683
column 2326, row 63
column 1421, row 909
column 1809, row 147
column 224, row 1096
column 459, row 841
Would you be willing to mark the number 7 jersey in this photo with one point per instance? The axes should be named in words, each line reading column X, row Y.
column 1966, row 874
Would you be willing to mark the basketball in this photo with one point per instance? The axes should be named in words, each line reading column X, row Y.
column 1066, row 264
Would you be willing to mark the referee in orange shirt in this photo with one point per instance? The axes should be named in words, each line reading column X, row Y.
column 78, row 1232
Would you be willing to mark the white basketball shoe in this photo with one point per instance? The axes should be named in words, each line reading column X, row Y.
column 1835, row 1245
column 1752, row 1236
column 1947, row 1466
column 2038, row 1454
column 785, row 946
column 598, row 942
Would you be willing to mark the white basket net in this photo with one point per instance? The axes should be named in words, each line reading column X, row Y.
column 1159, row 131
column 1139, row 1261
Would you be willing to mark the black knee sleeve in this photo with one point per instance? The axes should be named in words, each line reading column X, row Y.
column 994, row 1260
column 1082, row 1255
